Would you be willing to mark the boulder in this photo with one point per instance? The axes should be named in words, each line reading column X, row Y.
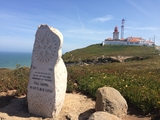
column 110, row 100
column 100, row 115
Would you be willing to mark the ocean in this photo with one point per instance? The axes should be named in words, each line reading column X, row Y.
column 11, row 59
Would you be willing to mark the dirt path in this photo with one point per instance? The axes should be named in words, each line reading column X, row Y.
column 76, row 107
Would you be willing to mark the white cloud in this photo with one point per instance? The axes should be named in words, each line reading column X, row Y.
column 16, row 44
column 71, row 46
column 143, row 28
column 79, row 18
column 88, row 31
column 138, row 7
column 103, row 18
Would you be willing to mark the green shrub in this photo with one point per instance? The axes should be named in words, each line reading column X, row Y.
column 138, row 82
column 14, row 79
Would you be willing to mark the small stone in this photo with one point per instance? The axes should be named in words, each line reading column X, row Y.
column 110, row 100
column 100, row 115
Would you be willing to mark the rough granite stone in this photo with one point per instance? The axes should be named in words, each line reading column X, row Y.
column 48, row 74
column 110, row 100
column 100, row 115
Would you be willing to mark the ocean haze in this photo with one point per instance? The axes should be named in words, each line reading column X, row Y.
column 11, row 59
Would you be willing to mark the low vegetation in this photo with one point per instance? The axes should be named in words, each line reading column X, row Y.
column 16, row 79
column 97, row 51
column 139, row 84
column 137, row 80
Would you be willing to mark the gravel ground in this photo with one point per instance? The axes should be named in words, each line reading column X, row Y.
column 76, row 107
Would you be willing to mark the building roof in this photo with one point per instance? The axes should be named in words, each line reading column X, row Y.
column 122, row 39
column 148, row 41
column 109, row 39
column 135, row 39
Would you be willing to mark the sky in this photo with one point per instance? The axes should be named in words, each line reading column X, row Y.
column 82, row 22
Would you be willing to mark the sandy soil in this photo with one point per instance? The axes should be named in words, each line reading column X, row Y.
column 76, row 107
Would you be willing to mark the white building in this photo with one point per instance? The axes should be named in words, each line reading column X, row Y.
column 137, row 41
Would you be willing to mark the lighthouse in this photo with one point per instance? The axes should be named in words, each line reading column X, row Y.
column 122, row 29
column 115, row 33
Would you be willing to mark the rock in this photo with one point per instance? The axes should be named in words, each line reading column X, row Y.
column 110, row 100
column 100, row 115
column 48, row 74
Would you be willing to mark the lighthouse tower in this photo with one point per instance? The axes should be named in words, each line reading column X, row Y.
column 122, row 29
column 115, row 33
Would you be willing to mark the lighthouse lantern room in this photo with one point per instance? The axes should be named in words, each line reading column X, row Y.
column 115, row 33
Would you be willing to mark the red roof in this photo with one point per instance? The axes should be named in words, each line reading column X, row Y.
column 109, row 39
column 116, row 29
column 122, row 39
column 135, row 39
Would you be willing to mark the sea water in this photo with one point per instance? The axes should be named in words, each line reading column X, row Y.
column 11, row 59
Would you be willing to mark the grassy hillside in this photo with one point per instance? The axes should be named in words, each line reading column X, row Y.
column 137, row 80
column 97, row 50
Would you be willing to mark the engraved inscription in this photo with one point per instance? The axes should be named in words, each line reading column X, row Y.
column 41, row 80
column 41, row 89
column 45, row 46
column 42, row 76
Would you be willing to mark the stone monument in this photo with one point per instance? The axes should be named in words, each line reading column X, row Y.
column 48, row 74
